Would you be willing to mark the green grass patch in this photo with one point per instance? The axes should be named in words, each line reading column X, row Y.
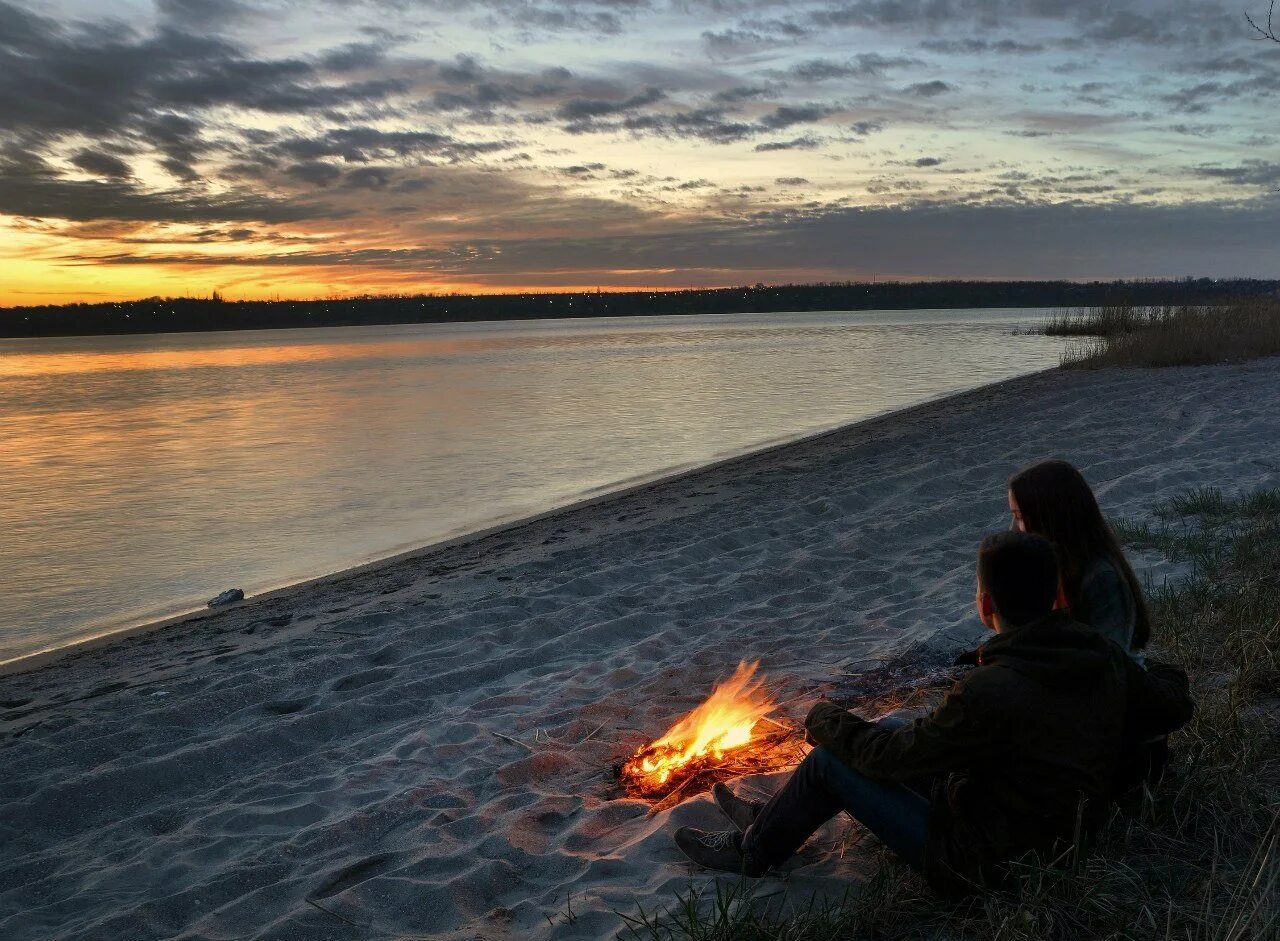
column 1197, row 861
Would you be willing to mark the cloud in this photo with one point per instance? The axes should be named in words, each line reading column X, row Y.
column 100, row 164
column 786, row 116
column 362, row 143
column 605, row 17
column 315, row 172
column 203, row 12
column 84, row 201
column 215, row 114
column 865, row 128
column 1009, row 241
column 804, row 142
column 149, row 93
column 584, row 109
column 1250, row 173
column 863, row 65
column 352, row 56
column 370, row 178
column 929, row 89
column 979, row 46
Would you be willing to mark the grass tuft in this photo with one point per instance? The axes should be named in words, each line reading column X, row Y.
column 1197, row 861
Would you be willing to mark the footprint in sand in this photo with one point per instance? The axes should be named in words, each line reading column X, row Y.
column 287, row 707
column 357, row 680
column 353, row 875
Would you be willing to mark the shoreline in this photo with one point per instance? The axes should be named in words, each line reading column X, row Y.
column 620, row 490
column 426, row 746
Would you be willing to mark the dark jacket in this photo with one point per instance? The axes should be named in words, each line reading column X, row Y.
column 1106, row 604
column 1020, row 746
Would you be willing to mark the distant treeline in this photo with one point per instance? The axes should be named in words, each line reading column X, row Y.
column 176, row 315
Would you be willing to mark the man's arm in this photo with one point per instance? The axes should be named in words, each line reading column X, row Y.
column 1158, row 700
column 942, row 741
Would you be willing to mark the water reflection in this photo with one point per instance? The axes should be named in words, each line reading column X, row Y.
column 143, row 474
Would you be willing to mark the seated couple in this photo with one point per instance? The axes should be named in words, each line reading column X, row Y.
column 1025, row 752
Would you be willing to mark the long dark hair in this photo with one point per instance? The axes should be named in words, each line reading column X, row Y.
column 1056, row 502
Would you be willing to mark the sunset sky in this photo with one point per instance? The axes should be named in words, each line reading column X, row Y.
column 331, row 147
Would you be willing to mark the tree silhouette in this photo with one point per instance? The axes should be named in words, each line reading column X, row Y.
column 1267, row 31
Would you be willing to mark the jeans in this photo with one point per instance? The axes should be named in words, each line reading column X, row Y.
column 820, row 788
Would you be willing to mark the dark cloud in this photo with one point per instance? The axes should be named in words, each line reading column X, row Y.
column 137, row 93
column 1004, row 241
column 470, row 85
column 980, row 46
column 585, row 109
column 361, row 144
column 741, row 93
column 1195, row 130
column 791, row 181
column 804, row 142
column 863, row 65
column 926, row 162
column 315, row 172
column 100, row 164
column 1250, row 173
column 594, row 16
column 368, row 178
column 732, row 42
column 788, row 115
column 85, row 200
column 1203, row 96
column 582, row 170
column 865, row 128
column 706, row 123
column 929, row 89
column 353, row 56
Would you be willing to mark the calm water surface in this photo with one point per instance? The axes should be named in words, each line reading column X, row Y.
column 142, row 475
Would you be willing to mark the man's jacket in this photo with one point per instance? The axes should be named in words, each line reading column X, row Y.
column 1023, row 749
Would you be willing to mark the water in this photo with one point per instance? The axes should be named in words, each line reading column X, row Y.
column 143, row 475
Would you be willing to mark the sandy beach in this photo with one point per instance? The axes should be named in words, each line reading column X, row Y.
column 329, row 761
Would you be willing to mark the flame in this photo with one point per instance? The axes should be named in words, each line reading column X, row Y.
column 722, row 723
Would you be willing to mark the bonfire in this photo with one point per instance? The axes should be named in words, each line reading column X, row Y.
column 719, row 739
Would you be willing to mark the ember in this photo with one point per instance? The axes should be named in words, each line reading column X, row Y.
column 703, row 737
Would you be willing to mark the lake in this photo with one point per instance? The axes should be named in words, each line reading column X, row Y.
column 142, row 475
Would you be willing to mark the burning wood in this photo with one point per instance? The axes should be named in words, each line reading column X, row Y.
column 717, row 736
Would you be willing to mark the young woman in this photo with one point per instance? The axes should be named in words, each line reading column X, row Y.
column 1052, row 499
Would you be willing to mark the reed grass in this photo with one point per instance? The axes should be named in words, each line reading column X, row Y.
column 1199, row 860
column 1188, row 335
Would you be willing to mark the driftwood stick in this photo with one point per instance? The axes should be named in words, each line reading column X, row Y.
column 314, row 904
column 775, row 722
column 512, row 740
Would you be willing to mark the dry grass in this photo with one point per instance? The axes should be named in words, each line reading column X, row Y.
column 1238, row 330
column 1105, row 321
column 1197, row 861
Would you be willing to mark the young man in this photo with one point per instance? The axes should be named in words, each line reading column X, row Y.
column 1021, row 753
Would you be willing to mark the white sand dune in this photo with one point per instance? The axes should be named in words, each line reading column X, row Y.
column 333, row 742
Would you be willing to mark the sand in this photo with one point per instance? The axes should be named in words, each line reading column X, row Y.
column 336, row 743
